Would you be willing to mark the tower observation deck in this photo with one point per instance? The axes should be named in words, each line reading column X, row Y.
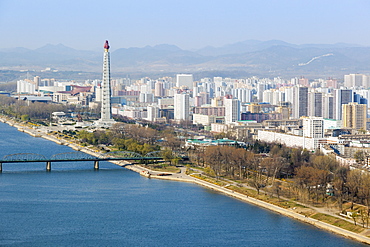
column 106, row 110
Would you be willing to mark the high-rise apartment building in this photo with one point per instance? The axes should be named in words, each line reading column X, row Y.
column 356, row 80
column 181, row 106
column 242, row 94
column 315, row 105
column 260, row 88
column 327, row 106
column 341, row 97
column 26, row 86
column 218, row 81
column 37, row 81
column 184, row 80
column 232, row 110
column 273, row 96
column 304, row 82
column 365, row 93
column 159, row 89
column 152, row 112
column 300, row 102
column 201, row 99
column 354, row 116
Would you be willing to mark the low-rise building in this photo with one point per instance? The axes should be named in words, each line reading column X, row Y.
column 193, row 143
column 291, row 140
column 207, row 120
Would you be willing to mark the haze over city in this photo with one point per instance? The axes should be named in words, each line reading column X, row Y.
column 238, row 102
column 187, row 24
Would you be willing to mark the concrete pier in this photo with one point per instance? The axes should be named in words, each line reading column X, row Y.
column 48, row 166
column 96, row 165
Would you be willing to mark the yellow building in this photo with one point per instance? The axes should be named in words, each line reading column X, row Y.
column 254, row 108
column 354, row 115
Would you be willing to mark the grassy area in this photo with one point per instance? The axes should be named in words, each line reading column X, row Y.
column 190, row 171
column 337, row 222
column 172, row 169
column 208, row 179
column 267, row 198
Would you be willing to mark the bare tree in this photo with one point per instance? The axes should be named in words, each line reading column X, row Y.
column 354, row 184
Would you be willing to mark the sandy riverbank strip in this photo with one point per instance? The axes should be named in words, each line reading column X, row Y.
column 186, row 178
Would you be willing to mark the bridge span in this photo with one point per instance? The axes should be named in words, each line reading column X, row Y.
column 80, row 156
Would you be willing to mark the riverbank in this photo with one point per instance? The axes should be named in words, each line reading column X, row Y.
column 183, row 177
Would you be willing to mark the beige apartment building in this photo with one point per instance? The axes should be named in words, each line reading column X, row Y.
column 354, row 115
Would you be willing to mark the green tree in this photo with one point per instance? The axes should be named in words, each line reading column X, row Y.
column 119, row 143
column 168, row 155
column 25, row 118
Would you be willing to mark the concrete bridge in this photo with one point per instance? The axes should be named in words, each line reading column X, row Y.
column 79, row 156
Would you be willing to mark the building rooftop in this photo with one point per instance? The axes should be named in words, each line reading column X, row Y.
column 209, row 142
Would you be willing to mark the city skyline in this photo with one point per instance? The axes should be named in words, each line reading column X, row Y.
column 189, row 25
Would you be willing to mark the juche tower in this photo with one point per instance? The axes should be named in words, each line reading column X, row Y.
column 106, row 110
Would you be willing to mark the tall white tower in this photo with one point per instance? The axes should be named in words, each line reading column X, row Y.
column 106, row 110
column 181, row 106
column 232, row 110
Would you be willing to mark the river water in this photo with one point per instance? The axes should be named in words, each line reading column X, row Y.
column 73, row 205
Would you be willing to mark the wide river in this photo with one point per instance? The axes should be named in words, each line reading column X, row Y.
column 73, row 205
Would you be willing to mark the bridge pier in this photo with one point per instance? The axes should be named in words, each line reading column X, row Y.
column 1, row 167
column 48, row 166
column 96, row 165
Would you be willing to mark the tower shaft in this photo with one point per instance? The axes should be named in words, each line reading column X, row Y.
column 106, row 111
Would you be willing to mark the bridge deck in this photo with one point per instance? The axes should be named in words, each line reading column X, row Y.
column 89, row 159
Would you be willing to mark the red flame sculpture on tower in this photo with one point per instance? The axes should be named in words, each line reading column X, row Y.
column 106, row 45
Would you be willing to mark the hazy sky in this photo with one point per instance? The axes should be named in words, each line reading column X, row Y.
column 189, row 24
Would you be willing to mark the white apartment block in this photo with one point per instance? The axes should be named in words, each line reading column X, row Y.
column 242, row 94
column 26, row 86
column 184, row 80
column 291, row 140
column 152, row 113
column 356, row 80
column 232, row 110
column 181, row 107
column 164, row 103
column 205, row 120
column 273, row 96
column 313, row 127
column 219, row 128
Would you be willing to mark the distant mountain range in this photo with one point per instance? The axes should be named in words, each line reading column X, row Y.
column 261, row 58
